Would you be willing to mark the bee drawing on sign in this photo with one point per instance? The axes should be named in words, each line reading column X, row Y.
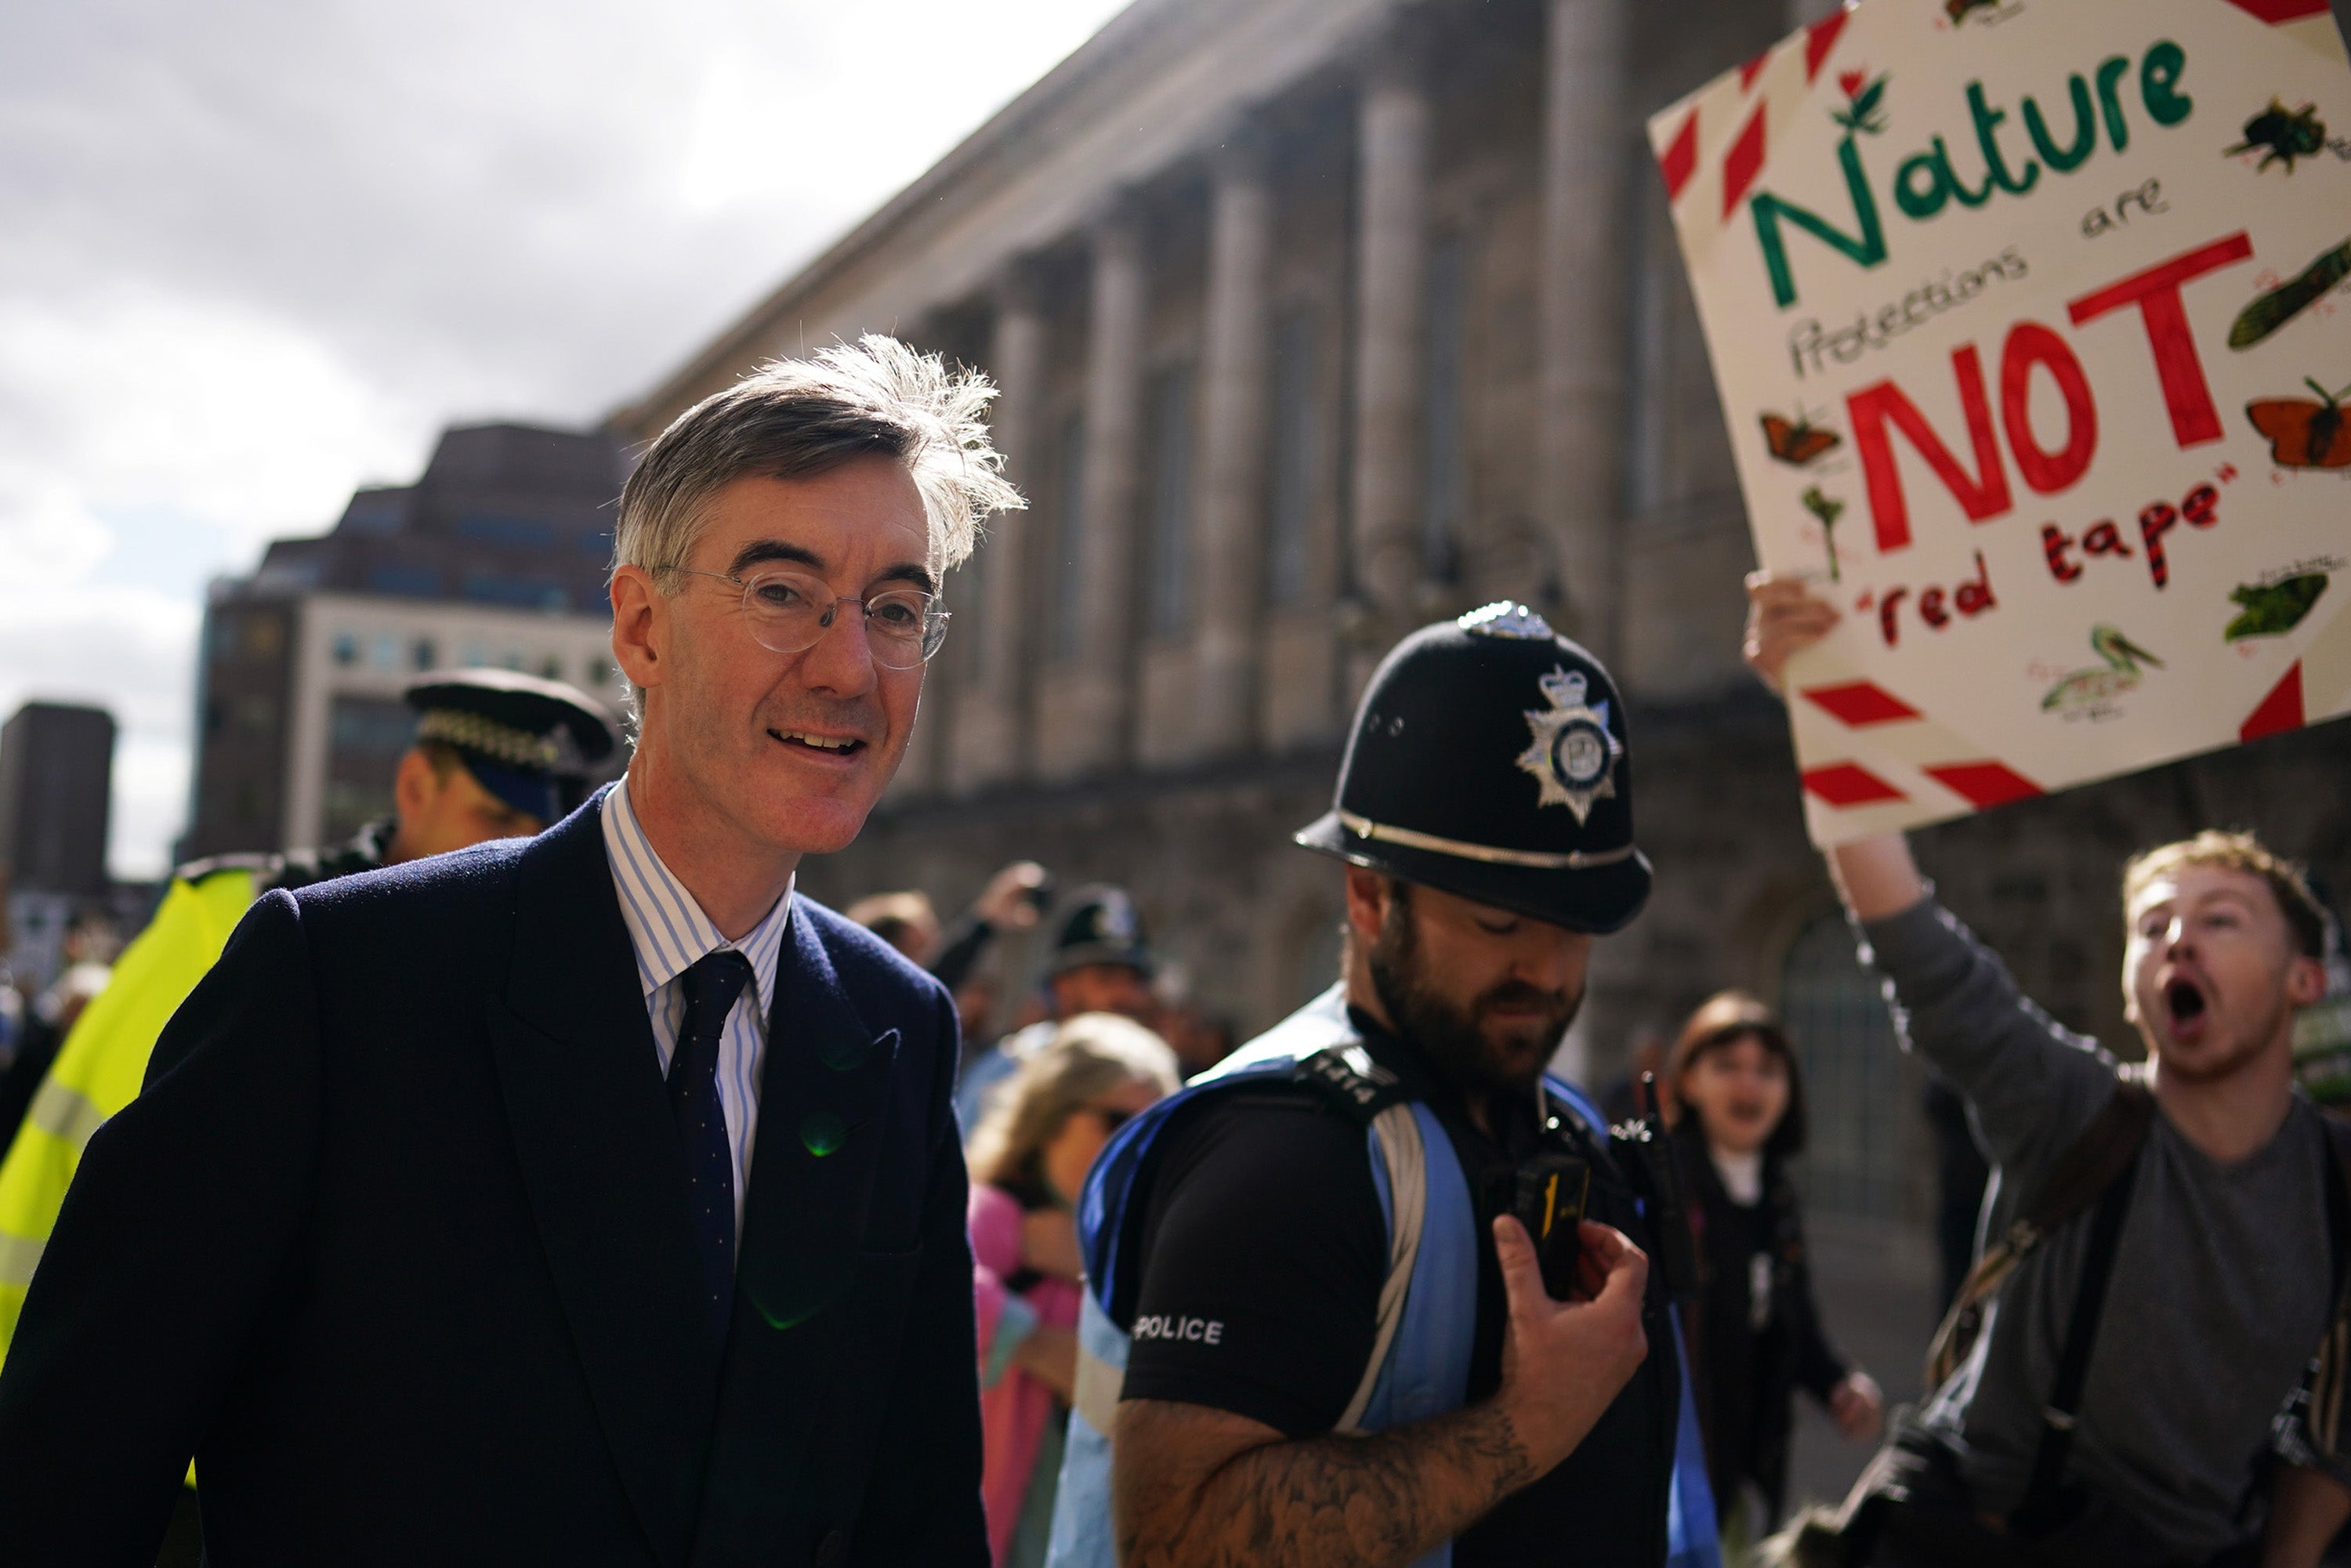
column 1798, row 442
column 1827, row 508
column 2094, row 687
column 2272, row 609
column 2270, row 311
column 2281, row 136
column 2302, row 434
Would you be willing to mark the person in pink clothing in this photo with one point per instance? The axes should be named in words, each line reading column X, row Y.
column 1028, row 1159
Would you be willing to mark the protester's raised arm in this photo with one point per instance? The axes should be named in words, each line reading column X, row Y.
column 1875, row 875
column 1210, row 1488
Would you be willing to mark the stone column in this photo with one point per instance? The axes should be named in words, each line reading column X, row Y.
column 1100, row 721
column 1236, row 365
column 1391, row 308
column 1582, row 308
column 992, row 717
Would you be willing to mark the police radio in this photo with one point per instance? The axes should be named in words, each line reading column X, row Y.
column 1641, row 1147
column 1552, row 1187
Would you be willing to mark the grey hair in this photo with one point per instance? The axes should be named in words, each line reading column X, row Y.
column 794, row 419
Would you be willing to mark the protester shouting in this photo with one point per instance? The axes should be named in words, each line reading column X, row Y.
column 1029, row 1158
column 1755, row 1330
column 2180, row 1228
column 589, row 1200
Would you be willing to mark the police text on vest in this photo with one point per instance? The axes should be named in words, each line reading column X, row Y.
column 1207, row 1331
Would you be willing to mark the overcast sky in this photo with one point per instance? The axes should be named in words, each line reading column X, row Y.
column 258, row 254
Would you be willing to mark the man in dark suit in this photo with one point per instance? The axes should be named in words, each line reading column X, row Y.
column 589, row 1201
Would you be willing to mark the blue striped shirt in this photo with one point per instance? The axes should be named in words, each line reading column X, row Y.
column 669, row 931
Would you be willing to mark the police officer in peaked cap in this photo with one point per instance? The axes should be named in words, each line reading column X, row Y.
column 496, row 755
column 1461, row 1348
column 1102, row 962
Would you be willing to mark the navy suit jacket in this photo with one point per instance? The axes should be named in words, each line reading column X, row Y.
column 396, row 1244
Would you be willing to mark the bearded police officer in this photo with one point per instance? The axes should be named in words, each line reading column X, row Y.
column 1318, row 1328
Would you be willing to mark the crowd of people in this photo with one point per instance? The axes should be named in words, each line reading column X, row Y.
column 559, row 1256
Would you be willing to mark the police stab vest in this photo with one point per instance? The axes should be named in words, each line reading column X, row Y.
column 1427, row 1320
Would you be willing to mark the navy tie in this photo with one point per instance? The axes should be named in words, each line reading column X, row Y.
column 713, row 982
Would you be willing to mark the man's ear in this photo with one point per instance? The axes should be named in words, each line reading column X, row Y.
column 415, row 786
column 2305, row 981
column 639, row 626
column 1367, row 903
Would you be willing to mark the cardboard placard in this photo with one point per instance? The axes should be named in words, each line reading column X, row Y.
column 2029, row 323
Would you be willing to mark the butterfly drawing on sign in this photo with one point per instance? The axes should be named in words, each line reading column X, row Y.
column 1798, row 441
column 2272, row 609
column 2302, row 434
column 2274, row 309
column 2283, row 135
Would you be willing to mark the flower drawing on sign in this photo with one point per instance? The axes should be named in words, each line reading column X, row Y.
column 1863, row 101
column 2120, row 674
column 2302, row 434
column 1572, row 757
column 2274, row 609
column 2281, row 136
column 1798, row 442
column 1827, row 508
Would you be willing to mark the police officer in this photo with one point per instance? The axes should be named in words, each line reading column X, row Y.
column 496, row 755
column 1101, row 963
column 1292, row 1353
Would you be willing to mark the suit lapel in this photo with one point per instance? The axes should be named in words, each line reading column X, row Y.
column 600, row 1161
column 823, row 1092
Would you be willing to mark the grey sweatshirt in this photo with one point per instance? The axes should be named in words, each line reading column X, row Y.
column 2221, row 1286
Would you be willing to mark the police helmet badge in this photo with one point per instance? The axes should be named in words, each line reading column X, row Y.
column 1573, row 756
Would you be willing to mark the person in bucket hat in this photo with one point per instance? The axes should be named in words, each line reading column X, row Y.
column 1291, row 1351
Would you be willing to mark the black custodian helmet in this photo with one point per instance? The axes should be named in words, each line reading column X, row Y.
column 1489, row 761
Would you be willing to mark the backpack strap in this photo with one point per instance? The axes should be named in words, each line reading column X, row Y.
column 2107, row 1146
column 2044, row 1506
column 1405, row 1159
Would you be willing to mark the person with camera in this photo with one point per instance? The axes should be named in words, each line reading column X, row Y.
column 2139, row 1388
column 1375, row 1291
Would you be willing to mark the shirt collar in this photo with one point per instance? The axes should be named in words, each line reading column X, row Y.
column 666, row 926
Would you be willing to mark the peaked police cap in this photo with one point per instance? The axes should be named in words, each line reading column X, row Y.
column 534, row 744
column 1489, row 761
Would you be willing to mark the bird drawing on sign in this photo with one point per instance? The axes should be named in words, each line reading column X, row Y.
column 2120, row 674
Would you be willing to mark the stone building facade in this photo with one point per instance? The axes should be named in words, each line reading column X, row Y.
column 1315, row 320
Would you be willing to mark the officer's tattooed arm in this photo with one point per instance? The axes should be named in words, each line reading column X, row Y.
column 1207, row 1489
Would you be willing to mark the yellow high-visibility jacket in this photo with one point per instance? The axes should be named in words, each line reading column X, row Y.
column 102, row 1063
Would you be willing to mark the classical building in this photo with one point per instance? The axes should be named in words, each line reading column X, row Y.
column 496, row 556
column 1315, row 320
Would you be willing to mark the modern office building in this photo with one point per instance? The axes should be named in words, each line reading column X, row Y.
column 57, row 771
column 496, row 556
column 1315, row 320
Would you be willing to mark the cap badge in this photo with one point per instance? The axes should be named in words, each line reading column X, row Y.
column 1505, row 619
column 1573, row 758
column 1116, row 922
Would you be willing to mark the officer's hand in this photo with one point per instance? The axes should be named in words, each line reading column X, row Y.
column 1857, row 1405
column 1783, row 615
column 1564, row 1363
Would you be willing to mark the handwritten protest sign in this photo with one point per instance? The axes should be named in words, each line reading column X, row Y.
column 2027, row 322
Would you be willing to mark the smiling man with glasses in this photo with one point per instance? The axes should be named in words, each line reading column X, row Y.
column 589, row 1200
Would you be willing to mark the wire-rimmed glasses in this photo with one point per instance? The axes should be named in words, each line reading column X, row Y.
column 789, row 611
